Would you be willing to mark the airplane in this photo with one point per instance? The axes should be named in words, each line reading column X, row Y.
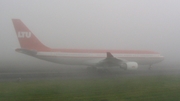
column 93, row 59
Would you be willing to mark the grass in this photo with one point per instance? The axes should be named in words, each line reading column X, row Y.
column 139, row 88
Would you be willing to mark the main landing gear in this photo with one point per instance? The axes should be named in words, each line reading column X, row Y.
column 91, row 69
column 97, row 70
column 150, row 66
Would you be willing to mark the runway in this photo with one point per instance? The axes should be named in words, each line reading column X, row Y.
column 81, row 74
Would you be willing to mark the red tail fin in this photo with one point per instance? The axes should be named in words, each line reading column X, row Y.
column 26, row 38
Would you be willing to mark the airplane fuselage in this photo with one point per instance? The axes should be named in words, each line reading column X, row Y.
column 90, row 57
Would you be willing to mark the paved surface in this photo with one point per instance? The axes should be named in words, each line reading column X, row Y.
column 79, row 74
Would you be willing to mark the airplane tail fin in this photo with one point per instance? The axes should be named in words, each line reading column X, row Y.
column 26, row 38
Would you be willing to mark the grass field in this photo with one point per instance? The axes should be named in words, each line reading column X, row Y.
column 125, row 88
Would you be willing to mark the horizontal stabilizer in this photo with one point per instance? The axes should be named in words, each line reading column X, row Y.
column 26, row 51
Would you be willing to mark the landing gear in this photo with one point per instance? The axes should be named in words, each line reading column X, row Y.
column 150, row 66
column 103, row 71
column 97, row 70
column 91, row 69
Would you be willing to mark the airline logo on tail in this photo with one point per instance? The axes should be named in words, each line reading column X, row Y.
column 24, row 34
column 26, row 38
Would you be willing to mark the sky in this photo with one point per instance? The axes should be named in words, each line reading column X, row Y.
column 92, row 24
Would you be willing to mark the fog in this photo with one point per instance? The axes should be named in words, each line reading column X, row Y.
column 91, row 24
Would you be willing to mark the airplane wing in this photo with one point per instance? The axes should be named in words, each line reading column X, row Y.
column 111, row 61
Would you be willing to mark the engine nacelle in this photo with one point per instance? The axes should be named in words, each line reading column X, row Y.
column 129, row 65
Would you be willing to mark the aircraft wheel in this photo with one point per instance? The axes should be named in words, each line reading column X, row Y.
column 91, row 69
column 150, row 66
column 103, row 71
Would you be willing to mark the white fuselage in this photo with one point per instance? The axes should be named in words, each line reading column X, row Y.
column 91, row 59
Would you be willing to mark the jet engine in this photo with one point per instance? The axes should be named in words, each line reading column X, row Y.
column 129, row 65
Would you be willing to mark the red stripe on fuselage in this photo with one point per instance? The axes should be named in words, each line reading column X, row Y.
column 95, row 57
column 102, row 51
